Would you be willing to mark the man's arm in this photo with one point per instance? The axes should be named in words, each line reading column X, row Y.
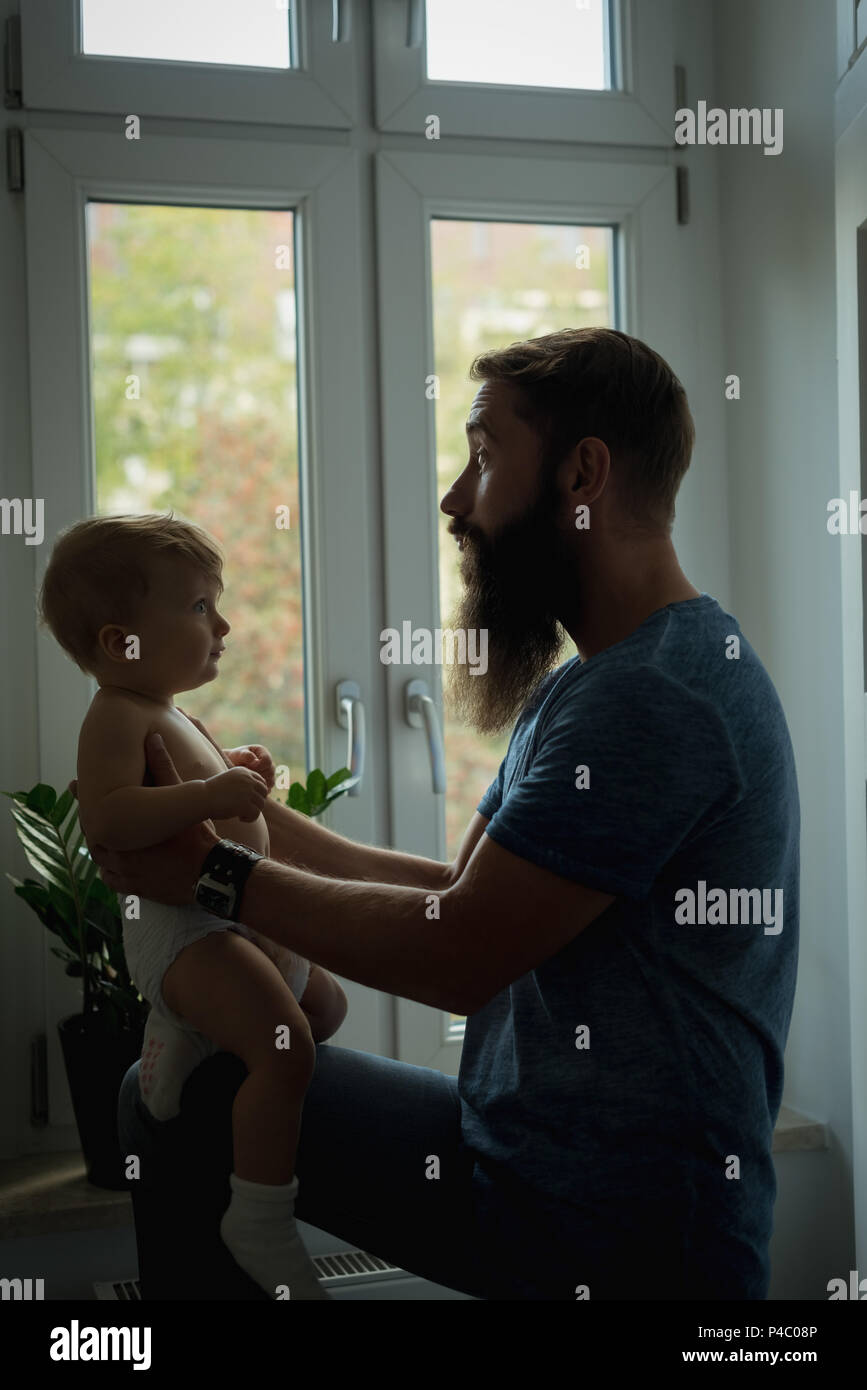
column 503, row 917
column 296, row 839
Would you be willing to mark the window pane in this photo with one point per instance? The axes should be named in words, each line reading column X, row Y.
column 495, row 283
column 193, row 348
column 533, row 43
column 240, row 33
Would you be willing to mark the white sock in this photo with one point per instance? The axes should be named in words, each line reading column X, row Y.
column 169, row 1054
column 259, row 1229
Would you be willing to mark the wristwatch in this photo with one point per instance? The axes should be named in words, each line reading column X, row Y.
column 220, row 885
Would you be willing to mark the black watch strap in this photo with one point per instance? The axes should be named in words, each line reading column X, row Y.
column 223, row 876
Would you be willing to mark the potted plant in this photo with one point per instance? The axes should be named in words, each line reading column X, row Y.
column 102, row 1042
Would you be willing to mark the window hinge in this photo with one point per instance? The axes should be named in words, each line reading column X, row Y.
column 12, row 64
column 14, row 160
column 682, row 195
column 39, row 1081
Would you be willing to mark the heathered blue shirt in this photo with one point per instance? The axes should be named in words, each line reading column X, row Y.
column 627, row 1089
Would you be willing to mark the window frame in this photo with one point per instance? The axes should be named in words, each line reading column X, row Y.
column 639, row 199
column 321, row 91
column 321, row 183
column 640, row 111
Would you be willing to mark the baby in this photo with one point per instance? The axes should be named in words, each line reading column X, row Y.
column 133, row 600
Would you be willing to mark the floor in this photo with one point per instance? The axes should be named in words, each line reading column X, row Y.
column 71, row 1262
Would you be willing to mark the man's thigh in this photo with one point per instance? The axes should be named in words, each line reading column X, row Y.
column 380, row 1161
column 381, row 1165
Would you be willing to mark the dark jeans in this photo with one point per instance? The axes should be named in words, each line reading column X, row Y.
column 371, row 1129
column 368, row 1128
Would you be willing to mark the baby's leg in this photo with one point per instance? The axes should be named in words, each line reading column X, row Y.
column 228, row 989
column 169, row 1054
column 231, row 993
column 324, row 1003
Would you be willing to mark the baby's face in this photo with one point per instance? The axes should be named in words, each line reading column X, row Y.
column 180, row 630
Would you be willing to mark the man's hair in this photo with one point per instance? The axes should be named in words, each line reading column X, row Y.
column 583, row 382
column 100, row 570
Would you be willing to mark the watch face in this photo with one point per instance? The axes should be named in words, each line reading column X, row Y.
column 214, row 897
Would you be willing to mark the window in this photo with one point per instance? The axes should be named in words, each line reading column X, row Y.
column 192, row 315
column 271, row 62
column 551, row 43
column 494, row 283
column 194, row 31
column 577, row 70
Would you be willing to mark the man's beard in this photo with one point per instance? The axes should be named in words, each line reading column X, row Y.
column 513, row 584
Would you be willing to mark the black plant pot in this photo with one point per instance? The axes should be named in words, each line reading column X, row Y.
column 96, row 1063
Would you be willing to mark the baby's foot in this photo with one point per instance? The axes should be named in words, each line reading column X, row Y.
column 169, row 1055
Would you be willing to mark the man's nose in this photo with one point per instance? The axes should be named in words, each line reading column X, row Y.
column 456, row 502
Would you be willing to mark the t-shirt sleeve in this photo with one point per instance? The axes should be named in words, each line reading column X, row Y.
column 493, row 797
column 627, row 767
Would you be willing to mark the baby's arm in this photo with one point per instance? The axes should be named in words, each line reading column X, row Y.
column 116, row 811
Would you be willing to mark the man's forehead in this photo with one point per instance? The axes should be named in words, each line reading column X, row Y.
column 493, row 401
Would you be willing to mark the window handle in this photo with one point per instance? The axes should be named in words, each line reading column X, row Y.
column 350, row 716
column 420, row 712
column 414, row 23
column 341, row 27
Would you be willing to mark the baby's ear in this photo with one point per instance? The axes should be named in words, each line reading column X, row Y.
column 111, row 639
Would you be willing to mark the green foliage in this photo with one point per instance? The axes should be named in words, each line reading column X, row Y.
column 320, row 791
column 75, row 905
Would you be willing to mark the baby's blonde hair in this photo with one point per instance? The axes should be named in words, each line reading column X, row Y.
column 99, row 570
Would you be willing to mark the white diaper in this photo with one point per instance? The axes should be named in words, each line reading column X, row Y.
column 161, row 933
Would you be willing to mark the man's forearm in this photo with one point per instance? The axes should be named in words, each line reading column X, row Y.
column 297, row 839
column 374, row 933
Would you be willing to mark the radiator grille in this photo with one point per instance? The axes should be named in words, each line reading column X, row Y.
column 340, row 1270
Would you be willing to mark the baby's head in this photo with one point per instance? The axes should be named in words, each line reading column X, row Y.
column 113, row 579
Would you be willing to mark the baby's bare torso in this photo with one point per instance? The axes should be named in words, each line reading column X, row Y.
column 196, row 759
column 194, row 756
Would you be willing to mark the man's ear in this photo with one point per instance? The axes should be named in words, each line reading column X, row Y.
column 581, row 478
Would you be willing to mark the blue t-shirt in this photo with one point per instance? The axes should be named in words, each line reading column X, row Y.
column 627, row 1089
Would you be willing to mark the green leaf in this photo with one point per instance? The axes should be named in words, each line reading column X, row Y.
column 343, row 787
column 34, row 894
column 298, row 798
column 40, row 834
column 315, row 786
column 61, row 807
column 41, row 798
column 337, row 777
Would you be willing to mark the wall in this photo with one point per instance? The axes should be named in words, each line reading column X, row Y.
column 23, row 941
column 779, row 293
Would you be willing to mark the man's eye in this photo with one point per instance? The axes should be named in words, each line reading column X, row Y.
column 481, row 456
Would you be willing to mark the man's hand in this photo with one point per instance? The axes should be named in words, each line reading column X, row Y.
column 167, row 872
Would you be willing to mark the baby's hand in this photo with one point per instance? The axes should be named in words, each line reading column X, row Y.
column 257, row 758
column 238, row 792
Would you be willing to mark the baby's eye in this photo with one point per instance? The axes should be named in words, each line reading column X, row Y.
column 202, row 603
